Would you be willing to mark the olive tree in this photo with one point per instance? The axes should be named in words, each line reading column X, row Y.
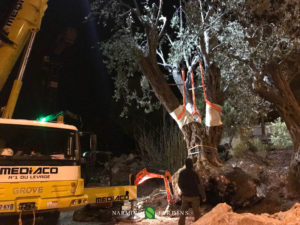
column 148, row 45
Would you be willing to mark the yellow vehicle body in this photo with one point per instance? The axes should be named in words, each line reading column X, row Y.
column 58, row 196
column 42, row 196
column 50, row 183
column 100, row 195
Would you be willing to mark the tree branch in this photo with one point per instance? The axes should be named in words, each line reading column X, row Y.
column 125, row 5
column 203, row 54
column 206, row 42
column 164, row 19
column 138, row 12
column 210, row 12
column 161, row 55
column 217, row 46
column 180, row 16
column 201, row 11
column 195, row 61
column 267, row 92
column 168, row 66
column 186, row 59
column 159, row 12
column 169, row 39
column 247, row 62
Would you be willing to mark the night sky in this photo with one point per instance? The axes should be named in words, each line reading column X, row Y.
column 84, row 87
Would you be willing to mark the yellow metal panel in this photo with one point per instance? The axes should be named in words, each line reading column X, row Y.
column 28, row 19
column 47, row 189
column 12, row 101
column 44, row 189
column 61, row 204
column 109, row 194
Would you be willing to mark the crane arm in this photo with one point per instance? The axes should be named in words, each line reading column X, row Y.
column 144, row 175
column 24, row 19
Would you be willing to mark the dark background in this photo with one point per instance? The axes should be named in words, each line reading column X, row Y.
column 66, row 51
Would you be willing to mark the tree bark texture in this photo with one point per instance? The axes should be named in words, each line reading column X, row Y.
column 222, row 181
column 283, row 98
column 158, row 83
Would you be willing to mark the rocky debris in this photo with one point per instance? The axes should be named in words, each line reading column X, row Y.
column 225, row 184
column 222, row 214
column 262, row 183
column 272, row 172
column 123, row 166
column 157, row 199
column 103, row 170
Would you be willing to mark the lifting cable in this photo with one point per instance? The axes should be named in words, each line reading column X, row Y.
column 205, row 148
column 193, row 95
column 212, row 105
column 194, row 99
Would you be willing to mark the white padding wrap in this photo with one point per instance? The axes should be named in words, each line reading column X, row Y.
column 185, row 119
column 212, row 116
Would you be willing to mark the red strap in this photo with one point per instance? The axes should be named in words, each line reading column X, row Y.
column 194, row 98
column 212, row 105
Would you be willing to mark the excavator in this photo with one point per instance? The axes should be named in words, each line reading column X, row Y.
column 40, row 162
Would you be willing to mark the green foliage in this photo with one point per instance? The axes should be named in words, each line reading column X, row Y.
column 257, row 145
column 122, row 52
column 226, row 38
column 162, row 147
column 280, row 136
column 237, row 114
column 240, row 37
column 240, row 149
column 247, row 145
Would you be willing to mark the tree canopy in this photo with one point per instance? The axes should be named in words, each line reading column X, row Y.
column 246, row 47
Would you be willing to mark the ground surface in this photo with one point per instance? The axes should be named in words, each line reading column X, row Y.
column 66, row 219
column 270, row 169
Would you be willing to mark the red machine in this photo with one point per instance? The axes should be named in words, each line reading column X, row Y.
column 144, row 175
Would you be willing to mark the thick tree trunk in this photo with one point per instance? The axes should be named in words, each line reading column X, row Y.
column 291, row 115
column 158, row 83
column 221, row 181
column 283, row 98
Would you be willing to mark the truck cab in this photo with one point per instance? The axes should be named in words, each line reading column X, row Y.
column 39, row 167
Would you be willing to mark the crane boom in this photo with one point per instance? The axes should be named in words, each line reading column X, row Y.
column 25, row 18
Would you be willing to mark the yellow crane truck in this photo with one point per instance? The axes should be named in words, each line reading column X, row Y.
column 40, row 162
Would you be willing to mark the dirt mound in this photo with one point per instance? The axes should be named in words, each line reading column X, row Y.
column 222, row 214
